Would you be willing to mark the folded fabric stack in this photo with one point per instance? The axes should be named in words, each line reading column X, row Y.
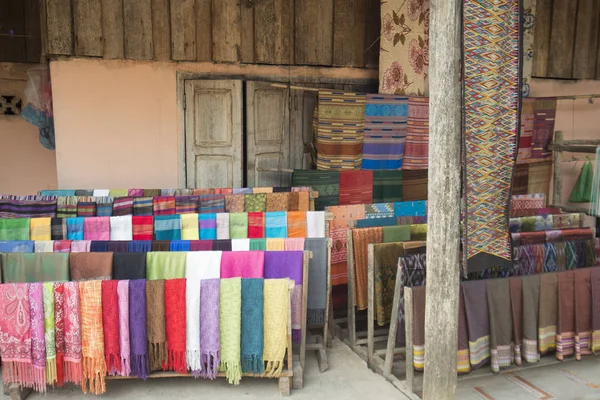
column 206, row 313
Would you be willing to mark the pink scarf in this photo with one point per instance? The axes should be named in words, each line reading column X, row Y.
column 59, row 329
column 38, row 340
column 72, row 366
column 293, row 244
column 242, row 264
column 15, row 342
column 123, row 295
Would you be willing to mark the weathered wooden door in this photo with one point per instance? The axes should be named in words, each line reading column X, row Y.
column 213, row 119
column 267, row 134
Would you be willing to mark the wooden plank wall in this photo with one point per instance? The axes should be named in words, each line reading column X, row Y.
column 278, row 32
column 566, row 39
column 20, row 33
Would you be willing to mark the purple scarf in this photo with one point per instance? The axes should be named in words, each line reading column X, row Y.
column 288, row 264
column 38, row 340
column 140, row 364
column 210, row 340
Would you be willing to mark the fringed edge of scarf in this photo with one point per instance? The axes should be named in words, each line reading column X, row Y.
column 274, row 368
column 125, row 365
column 210, row 361
column 315, row 316
column 253, row 363
column 192, row 358
column 51, row 375
column 158, row 354
column 296, row 336
column 113, row 363
column 72, row 371
column 233, row 371
column 176, row 361
column 140, row 366
column 24, row 374
column 94, row 372
column 60, row 360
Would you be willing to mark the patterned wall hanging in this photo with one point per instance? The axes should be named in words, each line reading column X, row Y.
column 491, row 121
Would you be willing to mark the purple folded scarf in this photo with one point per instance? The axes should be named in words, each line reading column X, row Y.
column 210, row 340
column 140, row 365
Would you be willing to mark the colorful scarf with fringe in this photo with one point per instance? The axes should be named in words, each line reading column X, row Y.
column 210, row 341
column 276, row 309
column 59, row 329
column 92, row 337
column 110, row 324
column 157, row 337
column 124, row 347
column 140, row 365
column 252, row 326
column 175, row 324
column 72, row 364
column 230, row 321
column 49, row 335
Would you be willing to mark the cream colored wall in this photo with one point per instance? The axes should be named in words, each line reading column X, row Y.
column 576, row 119
column 25, row 165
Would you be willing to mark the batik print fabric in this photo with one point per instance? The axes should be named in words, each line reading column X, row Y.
column 340, row 130
column 404, row 51
column 491, row 92
column 416, row 153
column 338, row 227
column 385, row 131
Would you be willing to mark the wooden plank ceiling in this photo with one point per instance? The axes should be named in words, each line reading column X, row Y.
column 280, row 32
column 566, row 39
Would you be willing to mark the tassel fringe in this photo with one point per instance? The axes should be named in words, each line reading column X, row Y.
column 73, row 372
column 233, row 371
column 140, row 366
column 125, row 365
column 274, row 369
column 193, row 362
column 51, row 371
column 24, row 374
column 176, row 361
column 94, row 372
column 210, row 364
column 157, row 353
column 253, row 364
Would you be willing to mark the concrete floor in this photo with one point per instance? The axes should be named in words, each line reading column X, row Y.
column 347, row 378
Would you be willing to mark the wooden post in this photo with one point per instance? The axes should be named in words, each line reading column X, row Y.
column 443, row 231
column 557, row 164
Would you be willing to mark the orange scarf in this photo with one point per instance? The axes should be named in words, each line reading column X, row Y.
column 92, row 337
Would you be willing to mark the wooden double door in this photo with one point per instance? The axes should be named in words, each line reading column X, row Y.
column 247, row 133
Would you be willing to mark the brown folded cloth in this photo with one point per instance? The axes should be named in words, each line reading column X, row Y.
column 161, row 245
column 595, row 282
column 531, row 305
column 475, row 297
column 90, row 266
column 155, row 323
column 386, row 256
column 565, row 338
column 463, row 364
column 418, row 296
column 501, row 329
column 361, row 238
column 548, row 313
column 583, row 312
column 516, row 303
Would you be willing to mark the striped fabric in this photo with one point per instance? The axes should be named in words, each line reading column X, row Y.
column 104, row 207
column 276, row 225
column 123, row 206
column 163, row 205
column 212, row 203
column 27, row 206
column 526, row 135
column 416, row 150
column 86, row 209
column 385, row 131
column 66, row 206
column 256, row 225
column 543, row 126
column 143, row 227
column 142, row 206
column 208, row 226
column 167, row 227
column 340, row 130
column 356, row 187
column 186, row 204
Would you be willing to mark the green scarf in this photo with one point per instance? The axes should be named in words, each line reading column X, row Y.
column 35, row 267
column 258, row 244
column 14, row 229
column 238, row 225
column 165, row 265
column 230, row 326
column 48, row 296
column 398, row 233
column 418, row 232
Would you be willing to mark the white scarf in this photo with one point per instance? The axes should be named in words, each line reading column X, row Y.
column 100, row 192
column 43, row 246
column 121, row 228
column 315, row 224
column 240, row 244
column 199, row 265
column 222, row 225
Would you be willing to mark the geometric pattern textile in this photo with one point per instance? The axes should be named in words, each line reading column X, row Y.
column 491, row 96
column 416, row 151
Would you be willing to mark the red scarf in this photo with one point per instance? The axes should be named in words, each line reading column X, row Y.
column 175, row 325
column 110, row 323
column 256, row 225
column 143, row 227
column 59, row 329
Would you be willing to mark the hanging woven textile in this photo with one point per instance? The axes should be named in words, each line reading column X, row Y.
column 92, row 337
column 491, row 123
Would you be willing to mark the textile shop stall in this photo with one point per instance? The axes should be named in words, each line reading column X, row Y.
column 63, row 245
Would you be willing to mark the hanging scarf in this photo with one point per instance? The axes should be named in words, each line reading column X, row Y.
column 256, row 225
column 16, row 341
column 240, row 244
column 207, row 223
column 500, row 317
column 75, row 228
column 288, row 264
column 565, row 334
column 222, row 226
column 14, row 229
column 548, row 306
column 59, row 329
column 247, row 264
column 211, row 203
column 255, row 202
column 190, row 227
column 475, row 297
column 140, row 365
column 49, row 335
column 155, row 314
column 222, row 245
column 293, row 244
column 129, row 266
column 121, row 228
column 583, row 312
column 230, row 324
column 110, row 324
column 62, row 246
column 199, row 266
column 179, row 245
column 72, row 365
column 39, row 229
column 276, row 224
column 516, row 303
column 276, row 309
column 234, row 203
column 167, row 227
column 463, row 364
column 238, row 225
column 142, row 227
column 165, row 265
column 92, row 337
column 315, row 224
column 252, row 326
column 296, row 222
column 317, row 280
column 531, row 299
column 186, row 204
column 35, row 267
column 140, row 246
column 277, row 201
column 86, row 266
column 201, row 245
column 210, row 343
column 38, row 340
column 142, row 206
column 163, row 205
column 161, row 245
column 175, row 319
column 122, row 206
column 98, row 246
column 96, row 228
column 124, row 348
column 58, row 229
column 81, row 246
column 258, row 244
